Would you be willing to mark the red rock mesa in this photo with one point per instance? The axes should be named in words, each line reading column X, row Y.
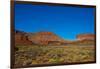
column 86, row 37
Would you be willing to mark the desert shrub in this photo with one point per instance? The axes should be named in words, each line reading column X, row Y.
column 52, row 60
column 16, row 48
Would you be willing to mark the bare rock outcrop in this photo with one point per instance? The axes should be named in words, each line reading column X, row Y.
column 21, row 38
column 86, row 37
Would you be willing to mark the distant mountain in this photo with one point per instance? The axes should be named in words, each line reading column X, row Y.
column 49, row 38
column 85, row 37
column 40, row 38
column 45, row 38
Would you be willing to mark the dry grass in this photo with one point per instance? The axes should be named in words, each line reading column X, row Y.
column 31, row 55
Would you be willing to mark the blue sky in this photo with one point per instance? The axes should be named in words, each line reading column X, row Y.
column 66, row 22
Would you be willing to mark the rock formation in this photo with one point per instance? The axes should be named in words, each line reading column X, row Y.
column 21, row 38
column 45, row 38
column 49, row 38
column 86, row 37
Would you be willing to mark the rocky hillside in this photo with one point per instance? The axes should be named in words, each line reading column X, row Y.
column 40, row 38
column 21, row 38
column 49, row 38
column 45, row 38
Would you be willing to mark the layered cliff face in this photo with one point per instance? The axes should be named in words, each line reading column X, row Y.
column 86, row 37
column 45, row 38
column 22, row 39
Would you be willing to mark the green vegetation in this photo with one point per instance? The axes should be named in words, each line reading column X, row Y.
column 31, row 55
